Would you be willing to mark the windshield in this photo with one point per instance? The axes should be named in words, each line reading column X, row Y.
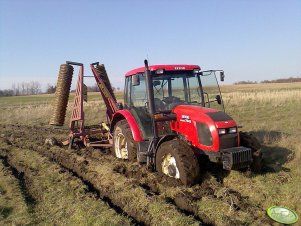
column 174, row 88
column 185, row 87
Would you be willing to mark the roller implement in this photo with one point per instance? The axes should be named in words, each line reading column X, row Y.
column 171, row 116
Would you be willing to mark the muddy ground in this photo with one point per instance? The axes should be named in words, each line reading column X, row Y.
column 134, row 194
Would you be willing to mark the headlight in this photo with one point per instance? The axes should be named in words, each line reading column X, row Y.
column 195, row 71
column 233, row 130
column 228, row 130
column 221, row 131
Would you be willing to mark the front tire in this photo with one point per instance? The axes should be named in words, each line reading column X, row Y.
column 177, row 160
column 124, row 145
column 250, row 141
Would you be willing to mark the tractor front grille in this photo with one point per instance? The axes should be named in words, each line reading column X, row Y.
column 228, row 141
column 236, row 158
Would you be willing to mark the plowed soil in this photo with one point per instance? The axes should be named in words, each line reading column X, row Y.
column 129, row 189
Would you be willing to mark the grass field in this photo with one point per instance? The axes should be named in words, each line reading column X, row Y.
column 55, row 186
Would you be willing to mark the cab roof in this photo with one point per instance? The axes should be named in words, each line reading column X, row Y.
column 166, row 67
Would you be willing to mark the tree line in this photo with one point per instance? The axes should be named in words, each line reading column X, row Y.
column 281, row 80
column 95, row 88
column 22, row 89
column 34, row 87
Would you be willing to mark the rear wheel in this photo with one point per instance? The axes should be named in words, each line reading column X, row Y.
column 177, row 160
column 250, row 141
column 123, row 142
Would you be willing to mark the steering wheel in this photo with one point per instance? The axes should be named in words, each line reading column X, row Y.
column 159, row 104
column 171, row 99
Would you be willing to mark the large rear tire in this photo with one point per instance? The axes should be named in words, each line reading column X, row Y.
column 250, row 141
column 124, row 146
column 176, row 159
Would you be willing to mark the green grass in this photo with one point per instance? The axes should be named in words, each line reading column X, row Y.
column 13, row 208
column 268, row 110
column 42, row 99
column 24, row 100
column 36, row 109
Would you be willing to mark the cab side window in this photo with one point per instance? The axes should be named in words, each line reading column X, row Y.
column 138, row 93
column 127, row 93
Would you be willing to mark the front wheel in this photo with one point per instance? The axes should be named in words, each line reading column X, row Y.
column 123, row 142
column 250, row 141
column 176, row 159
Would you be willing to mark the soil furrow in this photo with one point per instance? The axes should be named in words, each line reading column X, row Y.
column 121, row 191
column 13, row 207
column 64, row 183
column 28, row 198
column 91, row 189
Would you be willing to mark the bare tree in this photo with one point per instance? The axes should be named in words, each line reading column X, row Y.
column 13, row 87
column 23, row 88
column 36, row 87
column 50, row 88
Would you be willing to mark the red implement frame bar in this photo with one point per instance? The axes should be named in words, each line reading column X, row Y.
column 109, row 100
column 77, row 122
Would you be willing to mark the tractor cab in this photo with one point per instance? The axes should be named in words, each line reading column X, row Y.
column 172, row 85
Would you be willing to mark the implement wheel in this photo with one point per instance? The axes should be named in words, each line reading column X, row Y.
column 176, row 159
column 250, row 141
column 124, row 145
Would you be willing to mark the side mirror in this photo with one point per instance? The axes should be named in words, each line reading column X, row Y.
column 222, row 76
column 218, row 99
column 135, row 80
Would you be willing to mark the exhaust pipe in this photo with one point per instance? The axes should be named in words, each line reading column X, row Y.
column 149, row 90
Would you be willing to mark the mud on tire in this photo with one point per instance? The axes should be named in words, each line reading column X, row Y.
column 186, row 161
column 250, row 141
column 122, row 127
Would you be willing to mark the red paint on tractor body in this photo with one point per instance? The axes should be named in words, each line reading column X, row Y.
column 169, row 67
column 187, row 118
column 119, row 115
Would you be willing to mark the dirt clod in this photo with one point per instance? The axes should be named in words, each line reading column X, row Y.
column 51, row 141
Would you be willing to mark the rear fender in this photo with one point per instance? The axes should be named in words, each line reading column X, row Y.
column 127, row 115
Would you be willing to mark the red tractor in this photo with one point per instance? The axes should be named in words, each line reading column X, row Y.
column 171, row 116
column 174, row 113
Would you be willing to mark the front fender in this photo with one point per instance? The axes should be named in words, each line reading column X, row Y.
column 127, row 115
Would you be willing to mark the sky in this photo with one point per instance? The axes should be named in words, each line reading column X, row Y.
column 250, row 40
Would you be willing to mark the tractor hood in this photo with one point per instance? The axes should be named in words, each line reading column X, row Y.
column 196, row 122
